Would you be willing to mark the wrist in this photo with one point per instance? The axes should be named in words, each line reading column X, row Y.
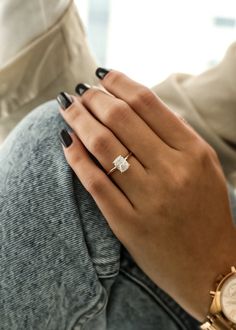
column 222, row 313
column 199, row 300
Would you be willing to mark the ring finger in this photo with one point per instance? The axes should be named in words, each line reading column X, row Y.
column 105, row 146
column 129, row 128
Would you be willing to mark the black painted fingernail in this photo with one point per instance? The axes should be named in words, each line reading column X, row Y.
column 65, row 138
column 101, row 72
column 80, row 89
column 64, row 100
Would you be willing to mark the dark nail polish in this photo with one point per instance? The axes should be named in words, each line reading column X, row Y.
column 101, row 72
column 65, row 138
column 80, row 89
column 64, row 100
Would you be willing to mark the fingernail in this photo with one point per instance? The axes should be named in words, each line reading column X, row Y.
column 101, row 72
column 65, row 138
column 64, row 100
column 80, row 89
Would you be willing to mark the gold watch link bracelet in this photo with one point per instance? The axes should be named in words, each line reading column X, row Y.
column 222, row 313
column 216, row 322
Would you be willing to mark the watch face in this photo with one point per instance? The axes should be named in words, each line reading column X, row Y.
column 228, row 298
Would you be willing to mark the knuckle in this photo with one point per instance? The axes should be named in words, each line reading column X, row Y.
column 184, row 179
column 114, row 78
column 89, row 95
column 118, row 112
column 203, row 154
column 100, row 143
column 181, row 178
column 94, row 184
column 213, row 153
column 72, row 114
column 195, row 140
column 73, row 158
column 144, row 97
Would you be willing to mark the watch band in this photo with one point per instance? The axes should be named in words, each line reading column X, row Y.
column 217, row 322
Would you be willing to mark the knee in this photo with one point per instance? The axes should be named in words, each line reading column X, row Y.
column 41, row 124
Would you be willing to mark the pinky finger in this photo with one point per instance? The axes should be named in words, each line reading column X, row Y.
column 113, row 204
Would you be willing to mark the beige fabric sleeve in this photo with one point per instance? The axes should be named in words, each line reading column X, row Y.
column 55, row 61
column 208, row 103
column 22, row 21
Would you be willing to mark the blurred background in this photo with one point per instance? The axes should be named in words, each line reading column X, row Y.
column 150, row 39
column 146, row 39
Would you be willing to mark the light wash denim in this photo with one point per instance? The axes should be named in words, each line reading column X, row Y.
column 61, row 267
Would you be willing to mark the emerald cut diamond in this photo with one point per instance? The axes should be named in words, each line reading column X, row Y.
column 121, row 164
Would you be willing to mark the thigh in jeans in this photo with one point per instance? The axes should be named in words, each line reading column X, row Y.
column 54, row 241
column 61, row 266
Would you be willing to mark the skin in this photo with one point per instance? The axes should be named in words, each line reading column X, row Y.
column 171, row 208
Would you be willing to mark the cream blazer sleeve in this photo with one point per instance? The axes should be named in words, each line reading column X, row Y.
column 208, row 102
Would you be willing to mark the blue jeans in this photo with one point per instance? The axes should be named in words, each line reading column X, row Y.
column 61, row 267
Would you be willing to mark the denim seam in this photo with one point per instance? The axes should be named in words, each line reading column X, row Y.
column 165, row 307
column 96, row 309
column 115, row 260
column 109, row 275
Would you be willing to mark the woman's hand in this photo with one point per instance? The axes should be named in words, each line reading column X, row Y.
column 170, row 209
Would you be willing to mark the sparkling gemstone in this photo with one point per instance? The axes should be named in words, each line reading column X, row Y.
column 121, row 164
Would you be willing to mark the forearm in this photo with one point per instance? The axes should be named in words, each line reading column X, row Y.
column 197, row 300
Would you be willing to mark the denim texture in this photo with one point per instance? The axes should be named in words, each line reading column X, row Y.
column 61, row 267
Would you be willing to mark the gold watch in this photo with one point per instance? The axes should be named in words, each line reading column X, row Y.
column 222, row 314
